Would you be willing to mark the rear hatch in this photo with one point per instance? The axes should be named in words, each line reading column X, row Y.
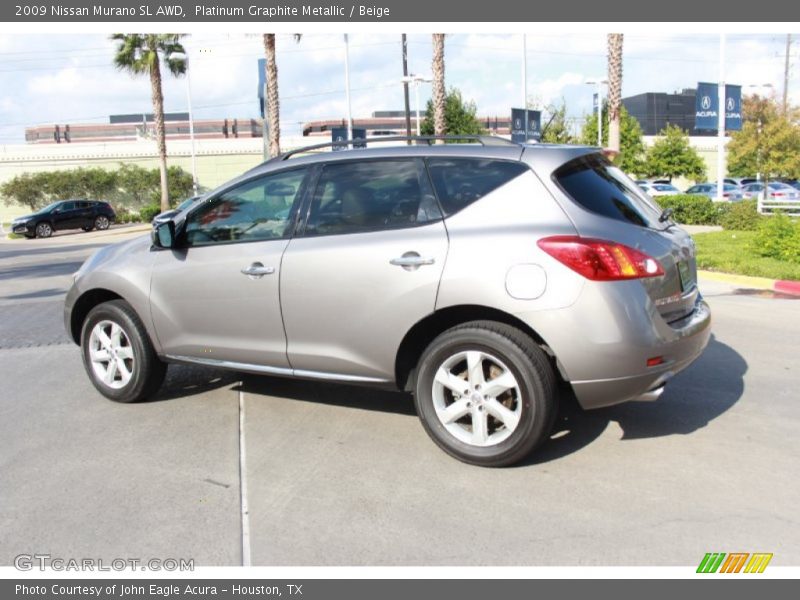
column 606, row 204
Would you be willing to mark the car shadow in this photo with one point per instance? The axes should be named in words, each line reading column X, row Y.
column 40, row 271
column 184, row 380
column 335, row 394
column 27, row 250
column 694, row 398
column 698, row 395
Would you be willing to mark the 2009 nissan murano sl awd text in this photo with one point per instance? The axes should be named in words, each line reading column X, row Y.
column 480, row 276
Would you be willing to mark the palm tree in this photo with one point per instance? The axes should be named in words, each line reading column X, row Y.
column 140, row 53
column 273, row 103
column 439, row 94
column 614, row 88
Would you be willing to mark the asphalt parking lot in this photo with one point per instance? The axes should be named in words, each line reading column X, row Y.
column 340, row 475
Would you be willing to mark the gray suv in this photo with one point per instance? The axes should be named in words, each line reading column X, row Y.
column 483, row 277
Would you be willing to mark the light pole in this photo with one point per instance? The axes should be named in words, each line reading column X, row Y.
column 599, row 83
column 191, row 119
column 759, row 125
column 416, row 80
column 347, row 86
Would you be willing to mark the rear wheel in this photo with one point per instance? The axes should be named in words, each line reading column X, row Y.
column 44, row 230
column 118, row 355
column 486, row 393
column 101, row 222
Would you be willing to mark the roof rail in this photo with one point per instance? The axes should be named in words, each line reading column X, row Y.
column 484, row 140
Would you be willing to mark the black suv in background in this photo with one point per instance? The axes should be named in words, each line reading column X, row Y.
column 65, row 214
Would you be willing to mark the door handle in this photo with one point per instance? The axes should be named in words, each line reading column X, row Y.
column 257, row 270
column 411, row 260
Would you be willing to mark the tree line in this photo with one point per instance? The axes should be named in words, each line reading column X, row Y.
column 129, row 187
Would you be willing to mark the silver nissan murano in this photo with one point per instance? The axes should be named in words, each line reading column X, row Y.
column 486, row 277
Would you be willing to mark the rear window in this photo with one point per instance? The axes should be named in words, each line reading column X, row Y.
column 461, row 181
column 600, row 187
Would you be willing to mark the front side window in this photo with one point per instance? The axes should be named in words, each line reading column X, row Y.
column 371, row 195
column 259, row 209
column 461, row 181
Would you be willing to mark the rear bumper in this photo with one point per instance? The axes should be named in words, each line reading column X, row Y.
column 602, row 343
column 690, row 339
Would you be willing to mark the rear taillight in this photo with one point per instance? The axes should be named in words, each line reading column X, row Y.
column 600, row 260
column 778, row 194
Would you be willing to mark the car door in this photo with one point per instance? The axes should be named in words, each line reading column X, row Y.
column 215, row 298
column 365, row 269
column 65, row 216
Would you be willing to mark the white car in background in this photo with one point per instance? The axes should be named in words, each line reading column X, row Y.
column 777, row 191
column 659, row 189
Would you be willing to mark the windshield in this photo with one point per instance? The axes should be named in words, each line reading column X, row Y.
column 187, row 203
column 600, row 187
column 49, row 207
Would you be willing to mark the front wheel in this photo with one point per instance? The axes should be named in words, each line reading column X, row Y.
column 486, row 393
column 44, row 230
column 118, row 355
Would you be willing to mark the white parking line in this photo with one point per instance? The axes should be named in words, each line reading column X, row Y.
column 245, row 512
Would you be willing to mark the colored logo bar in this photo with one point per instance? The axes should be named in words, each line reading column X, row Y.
column 734, row 562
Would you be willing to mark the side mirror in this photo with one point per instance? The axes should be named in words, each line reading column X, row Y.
column 164, row 234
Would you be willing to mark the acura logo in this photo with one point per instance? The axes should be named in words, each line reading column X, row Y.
column 705, row 102
column 730, row 105
column 517, row 123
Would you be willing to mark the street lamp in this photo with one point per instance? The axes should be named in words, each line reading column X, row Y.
column 416, row 80
column 599, row 83
column 760, row 86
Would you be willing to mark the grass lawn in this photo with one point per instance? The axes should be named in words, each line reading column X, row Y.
column 732, row 252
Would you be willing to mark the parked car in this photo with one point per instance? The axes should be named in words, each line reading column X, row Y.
column 740, row 181
column 660, row 189
column 729, row 191
column 777, row 191
column 168, row 214
column 65, row 214
column 485, row 278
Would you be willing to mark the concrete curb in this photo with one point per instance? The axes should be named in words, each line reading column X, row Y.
column 762, row 283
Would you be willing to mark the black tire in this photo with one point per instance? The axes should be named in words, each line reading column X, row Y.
column 536, row 382
column 147, row 371
column 44, row 229
column 101, row 222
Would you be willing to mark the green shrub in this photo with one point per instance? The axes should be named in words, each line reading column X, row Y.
column 741, row 216
column 778, row 237
column 689, row 209
column 128, row 216
column 148, row 212
column 130, row 186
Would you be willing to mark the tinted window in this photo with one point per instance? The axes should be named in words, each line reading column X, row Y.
column 367, row 196
column 67, row 206
column 598, row 186
column 461, row 181
column 259, row 209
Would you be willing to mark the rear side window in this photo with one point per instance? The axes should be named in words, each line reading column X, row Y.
column 600, row 187
column 354, row 197
column 461, row 181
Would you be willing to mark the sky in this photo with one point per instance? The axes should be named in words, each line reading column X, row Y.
column 69, row 78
